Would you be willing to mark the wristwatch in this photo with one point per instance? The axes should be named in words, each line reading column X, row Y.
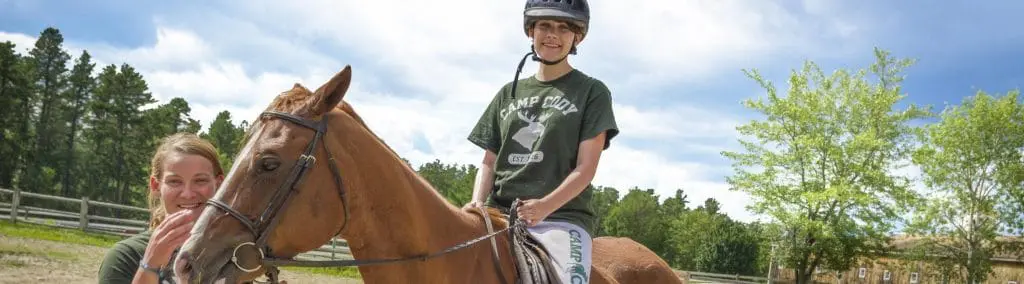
column 144, row 266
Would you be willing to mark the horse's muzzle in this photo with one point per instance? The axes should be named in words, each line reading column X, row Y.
column 188, row 270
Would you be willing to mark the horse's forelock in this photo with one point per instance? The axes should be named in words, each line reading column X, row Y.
column 298, row 100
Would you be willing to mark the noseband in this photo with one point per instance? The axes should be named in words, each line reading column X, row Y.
column 264, row 224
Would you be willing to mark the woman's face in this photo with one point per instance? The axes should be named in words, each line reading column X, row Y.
column 552, row 40
column 186, row 183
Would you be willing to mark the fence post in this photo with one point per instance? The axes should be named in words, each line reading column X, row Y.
column 83, row 220
column 14, row 205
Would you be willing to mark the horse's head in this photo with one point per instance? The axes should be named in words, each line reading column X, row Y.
column 284, row 194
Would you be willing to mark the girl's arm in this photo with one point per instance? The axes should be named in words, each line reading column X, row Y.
column 579, row 178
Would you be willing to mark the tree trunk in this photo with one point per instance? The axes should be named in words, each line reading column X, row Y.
column 69, row 160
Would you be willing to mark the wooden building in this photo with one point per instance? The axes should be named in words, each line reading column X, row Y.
column 898, row 268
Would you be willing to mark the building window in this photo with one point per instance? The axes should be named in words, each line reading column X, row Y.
column 913, row 277
column 863, row 272
column 887, row 276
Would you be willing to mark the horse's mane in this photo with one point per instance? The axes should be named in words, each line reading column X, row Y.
column 301, row 101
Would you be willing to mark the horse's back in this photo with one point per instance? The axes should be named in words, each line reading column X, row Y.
column 622, row 260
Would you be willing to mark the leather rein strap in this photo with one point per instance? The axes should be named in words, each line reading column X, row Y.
column 494, row 244
column 261, row 227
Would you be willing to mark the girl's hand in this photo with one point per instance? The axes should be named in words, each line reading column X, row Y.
column 535, row 210
column 168, row 236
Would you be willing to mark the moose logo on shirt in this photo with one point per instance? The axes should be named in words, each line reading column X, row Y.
column 529, row 134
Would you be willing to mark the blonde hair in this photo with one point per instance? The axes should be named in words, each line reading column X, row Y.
column 179, row 143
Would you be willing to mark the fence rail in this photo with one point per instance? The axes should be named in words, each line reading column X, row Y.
column 335, row 249
column 726, row 278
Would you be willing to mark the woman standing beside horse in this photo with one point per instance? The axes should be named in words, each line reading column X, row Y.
column 185, row 172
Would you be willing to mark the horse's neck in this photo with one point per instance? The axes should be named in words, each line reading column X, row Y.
column 399, row 214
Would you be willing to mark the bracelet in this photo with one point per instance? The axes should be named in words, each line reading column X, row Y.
column 144, row 266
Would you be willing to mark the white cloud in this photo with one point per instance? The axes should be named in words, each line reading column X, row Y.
column 173, row 49
column 688, row 40
column 674, row 121
column 22, row 43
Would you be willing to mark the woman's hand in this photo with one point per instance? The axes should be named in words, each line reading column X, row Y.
column 168, row 236
column 535, row 210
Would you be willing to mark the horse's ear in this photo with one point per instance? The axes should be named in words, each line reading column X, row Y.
column 329, row 95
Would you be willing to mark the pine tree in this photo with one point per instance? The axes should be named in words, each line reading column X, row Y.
column 82, row 84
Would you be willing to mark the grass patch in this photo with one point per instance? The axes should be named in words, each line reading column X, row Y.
column 4, row 262
column 49, row 233
column 75, row 236
column 22, row 250
column 347, row 272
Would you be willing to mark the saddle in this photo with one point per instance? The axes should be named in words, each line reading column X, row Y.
column 533, row 264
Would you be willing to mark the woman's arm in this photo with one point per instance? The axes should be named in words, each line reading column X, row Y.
column 536, row 210
column 581, row 176
column 484, row 182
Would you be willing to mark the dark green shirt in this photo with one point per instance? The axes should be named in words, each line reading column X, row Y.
column 536, row 136
column 122, row 261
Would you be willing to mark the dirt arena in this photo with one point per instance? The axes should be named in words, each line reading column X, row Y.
column 24, row 260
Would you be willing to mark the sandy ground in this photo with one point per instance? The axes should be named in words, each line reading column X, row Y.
column 25, row 260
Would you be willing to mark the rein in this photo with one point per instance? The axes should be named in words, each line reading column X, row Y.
column 261, row 227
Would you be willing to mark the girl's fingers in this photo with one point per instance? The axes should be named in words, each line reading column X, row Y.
column 175, row 220
column 182, row 230
column 163, row 244
column 178, row 239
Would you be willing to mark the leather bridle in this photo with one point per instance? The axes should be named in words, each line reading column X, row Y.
column 264, row 224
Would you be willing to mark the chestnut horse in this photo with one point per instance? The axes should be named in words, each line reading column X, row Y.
column 311, row 169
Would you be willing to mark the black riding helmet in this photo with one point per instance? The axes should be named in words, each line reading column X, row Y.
column 573, row 11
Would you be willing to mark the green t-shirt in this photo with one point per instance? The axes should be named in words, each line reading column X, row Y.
column 536, row 136
column 122, row 261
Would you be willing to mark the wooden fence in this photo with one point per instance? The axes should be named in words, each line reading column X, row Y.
column 334, row 249
column 12, row 207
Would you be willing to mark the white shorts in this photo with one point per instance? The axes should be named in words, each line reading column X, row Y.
column 570, row 249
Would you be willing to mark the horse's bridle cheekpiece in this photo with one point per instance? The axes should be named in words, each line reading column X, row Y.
column 261, row 227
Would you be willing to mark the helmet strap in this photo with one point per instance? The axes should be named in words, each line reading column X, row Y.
column 547, row 62
column 533, row 55
column 519, row 69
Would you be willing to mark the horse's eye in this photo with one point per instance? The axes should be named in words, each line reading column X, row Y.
column 269, row 164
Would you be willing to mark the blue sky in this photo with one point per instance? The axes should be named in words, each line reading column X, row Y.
column 423, row 71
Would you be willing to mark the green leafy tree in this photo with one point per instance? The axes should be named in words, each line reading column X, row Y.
column 602, row 201
column 708, row 241
column 16, row 100
column 711, row 206
column 225, row 136
column 82, row 84
column 452, row 181
column 825, row 155
column 49, row 65
column 972, row 160
column 121, row 147
column 675, row 206
column 637, row 216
